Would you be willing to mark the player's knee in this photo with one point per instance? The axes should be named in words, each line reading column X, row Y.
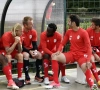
column 3, row 59
column 20, row 57
column 26, row 55
column 83, row 67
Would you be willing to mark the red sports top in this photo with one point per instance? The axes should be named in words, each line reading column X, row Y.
column 50, row 44
column 7, row 40
column 79, row 42
column 28, row 37
column 94, row 37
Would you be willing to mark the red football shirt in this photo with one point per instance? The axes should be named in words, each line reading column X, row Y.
column 94, row 37
column 79, row 42
column 50, row 44
column 28, row 37
column 7, row 40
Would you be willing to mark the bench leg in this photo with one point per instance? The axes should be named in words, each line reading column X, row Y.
column 80, row 76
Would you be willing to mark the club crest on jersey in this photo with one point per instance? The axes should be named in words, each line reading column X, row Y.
column 91, row 38
column 55, row 40
column 30, row 36
column 70, row 37
column 78, row 37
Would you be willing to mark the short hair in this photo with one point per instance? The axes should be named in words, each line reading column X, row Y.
column 17, row 26
column 96, row 21
column 53, row 26
column 25, row 19
column 75, row 18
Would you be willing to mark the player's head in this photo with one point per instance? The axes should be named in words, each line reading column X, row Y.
column 28, row 23
column 51, row 29
column 17, row 30
column 73, row 20
column 95, row 23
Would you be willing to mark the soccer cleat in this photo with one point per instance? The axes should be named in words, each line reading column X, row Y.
column 94, row 87
column 27, row 82
column 46, row 81
column 98, row 84
column 53, row 85
column 64, row 79
column 38, row 79
column 12, row 85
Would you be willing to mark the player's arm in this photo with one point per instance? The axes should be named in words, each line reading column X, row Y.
column 87, row 45
column 19, row 47
column 64, row 41
column 34, row 44
column 34, row 40
column 9, row 49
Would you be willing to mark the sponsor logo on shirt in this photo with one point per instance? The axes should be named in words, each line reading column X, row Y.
column 78, row 37
column 30, row 36
column 55, row 40
column 70, row 37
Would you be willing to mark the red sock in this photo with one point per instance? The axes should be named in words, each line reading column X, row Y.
column 62, row 68
column 94, row 71
column 7, row 72
column 10, row 65
column 89, row 78
column 46, row 67
column 55, row 69
column 19, row 69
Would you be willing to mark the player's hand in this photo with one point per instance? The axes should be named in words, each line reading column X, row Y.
column 53, row 55
column 17, row 39
column 34, row 53
column 58, row 52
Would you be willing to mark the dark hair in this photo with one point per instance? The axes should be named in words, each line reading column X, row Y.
column 75, row 18
column 53, row 26
column 96, row 21
column 25, row 19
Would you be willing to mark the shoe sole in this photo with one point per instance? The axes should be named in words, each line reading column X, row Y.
column 46, row 83
column 65, row 82
column 48, row 87
column 11, row 87
column 38, row 81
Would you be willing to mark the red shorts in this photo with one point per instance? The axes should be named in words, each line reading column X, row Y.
column 71, row 57
column 13, row 54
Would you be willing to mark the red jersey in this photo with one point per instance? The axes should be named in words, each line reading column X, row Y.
column 79, row 42
column 28, row 37
column 7, row 40
column 94, row 37
column 50, row 44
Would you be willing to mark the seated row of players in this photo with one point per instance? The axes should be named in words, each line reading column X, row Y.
column 80, row 50
column 22, row 44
